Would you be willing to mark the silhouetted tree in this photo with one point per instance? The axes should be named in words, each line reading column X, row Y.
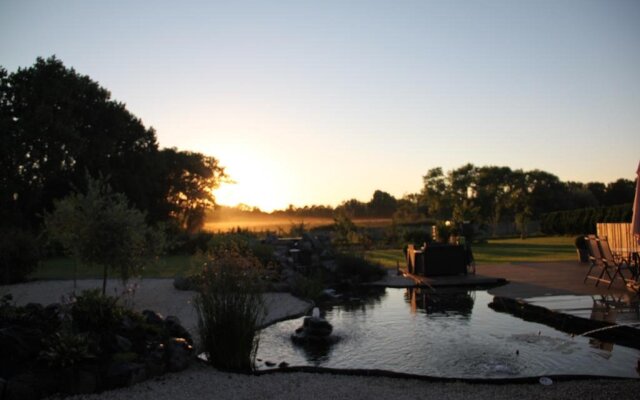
column 56, row 125
column 100, row 228
column 382, row 204
column 620, row 192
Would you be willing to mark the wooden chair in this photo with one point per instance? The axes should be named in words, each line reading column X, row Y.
column 613, row 262
column 597, row 262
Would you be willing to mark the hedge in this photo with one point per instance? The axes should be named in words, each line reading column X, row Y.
column 583, row 220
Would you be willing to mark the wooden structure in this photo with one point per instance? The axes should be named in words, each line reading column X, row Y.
column 619, row 236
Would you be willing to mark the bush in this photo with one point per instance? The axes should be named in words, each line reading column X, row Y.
column 93, row 312
column 19, row 255
column 356, row 269
column 584, row 220
column 309, row 287
column 229, row 308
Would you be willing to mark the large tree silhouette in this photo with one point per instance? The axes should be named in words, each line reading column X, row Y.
column 56, row 125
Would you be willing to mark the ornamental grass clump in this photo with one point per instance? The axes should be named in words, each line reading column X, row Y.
column 230, row 307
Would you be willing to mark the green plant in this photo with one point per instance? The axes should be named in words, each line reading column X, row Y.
column 309, row 287
column 99, row 228
column 357, row 269
column 93, row 312
column 66, row 349
column 229, row 308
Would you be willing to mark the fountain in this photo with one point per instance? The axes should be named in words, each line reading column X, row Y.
column 314, row 329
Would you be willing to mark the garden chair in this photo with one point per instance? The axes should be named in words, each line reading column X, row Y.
column 597, row 262
column 613, row 262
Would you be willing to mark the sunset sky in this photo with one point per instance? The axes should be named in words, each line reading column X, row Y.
column 320, row 101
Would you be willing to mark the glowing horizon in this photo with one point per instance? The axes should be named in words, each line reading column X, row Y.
column 320, row 102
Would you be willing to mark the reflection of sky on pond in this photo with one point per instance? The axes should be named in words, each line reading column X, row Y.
column 451, row 333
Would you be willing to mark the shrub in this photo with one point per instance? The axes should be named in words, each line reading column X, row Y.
column 309, row 287
column 356, row 269
column 93, row 312
column 229, row 308
column 66, row 349
column 19, row 255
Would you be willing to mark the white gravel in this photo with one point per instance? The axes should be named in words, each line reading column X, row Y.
column 158, row 295
column 202, row 382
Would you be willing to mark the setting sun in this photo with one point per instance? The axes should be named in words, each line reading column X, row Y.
column 256, row 181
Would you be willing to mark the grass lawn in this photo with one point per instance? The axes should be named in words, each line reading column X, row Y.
column 539, row 249
column 552, row 248
column 166, row 267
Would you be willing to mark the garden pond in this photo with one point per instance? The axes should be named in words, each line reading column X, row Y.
column 446, row 333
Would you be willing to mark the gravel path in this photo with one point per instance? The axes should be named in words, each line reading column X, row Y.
column 202, row 382
column 158, row 295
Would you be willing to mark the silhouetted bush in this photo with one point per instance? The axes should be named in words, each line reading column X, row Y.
column 229, row 308
column 356, row 269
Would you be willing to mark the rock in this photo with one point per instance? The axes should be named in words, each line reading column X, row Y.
column 153, row 317
column 154, row 360
column 179, row 354
column 123, row 374
column 122, row 344
column 172, row 323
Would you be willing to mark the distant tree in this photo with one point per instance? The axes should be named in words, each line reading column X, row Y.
column 620, row 192
column 100, row 228
column 598, row 190
column 189, row 181
column 352, row 208
column 382, row 204
column 408, row 208
column 434, row 195
column 579, row 196
column 492, row 190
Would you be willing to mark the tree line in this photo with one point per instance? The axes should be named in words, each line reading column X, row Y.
column 57, row 127
column 486, row 195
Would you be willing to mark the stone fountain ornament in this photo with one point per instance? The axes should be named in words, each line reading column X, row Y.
column 314, row 329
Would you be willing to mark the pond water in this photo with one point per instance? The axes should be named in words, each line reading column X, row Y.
column 449, row 333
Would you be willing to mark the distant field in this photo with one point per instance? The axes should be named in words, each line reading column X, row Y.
column 284, row 225
column 540, row 249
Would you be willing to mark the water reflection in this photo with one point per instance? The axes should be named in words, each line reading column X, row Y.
column 442, row 301
column 443, row 333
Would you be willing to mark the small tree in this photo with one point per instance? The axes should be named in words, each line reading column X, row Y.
column 99, row 228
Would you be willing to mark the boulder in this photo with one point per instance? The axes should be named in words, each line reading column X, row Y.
column 175, row 329
column 179, row 354
column 153, row 317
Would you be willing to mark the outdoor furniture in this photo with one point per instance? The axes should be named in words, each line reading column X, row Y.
column 443, row 260
column 616, row 263
column 597, row 262
column 439, row 260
